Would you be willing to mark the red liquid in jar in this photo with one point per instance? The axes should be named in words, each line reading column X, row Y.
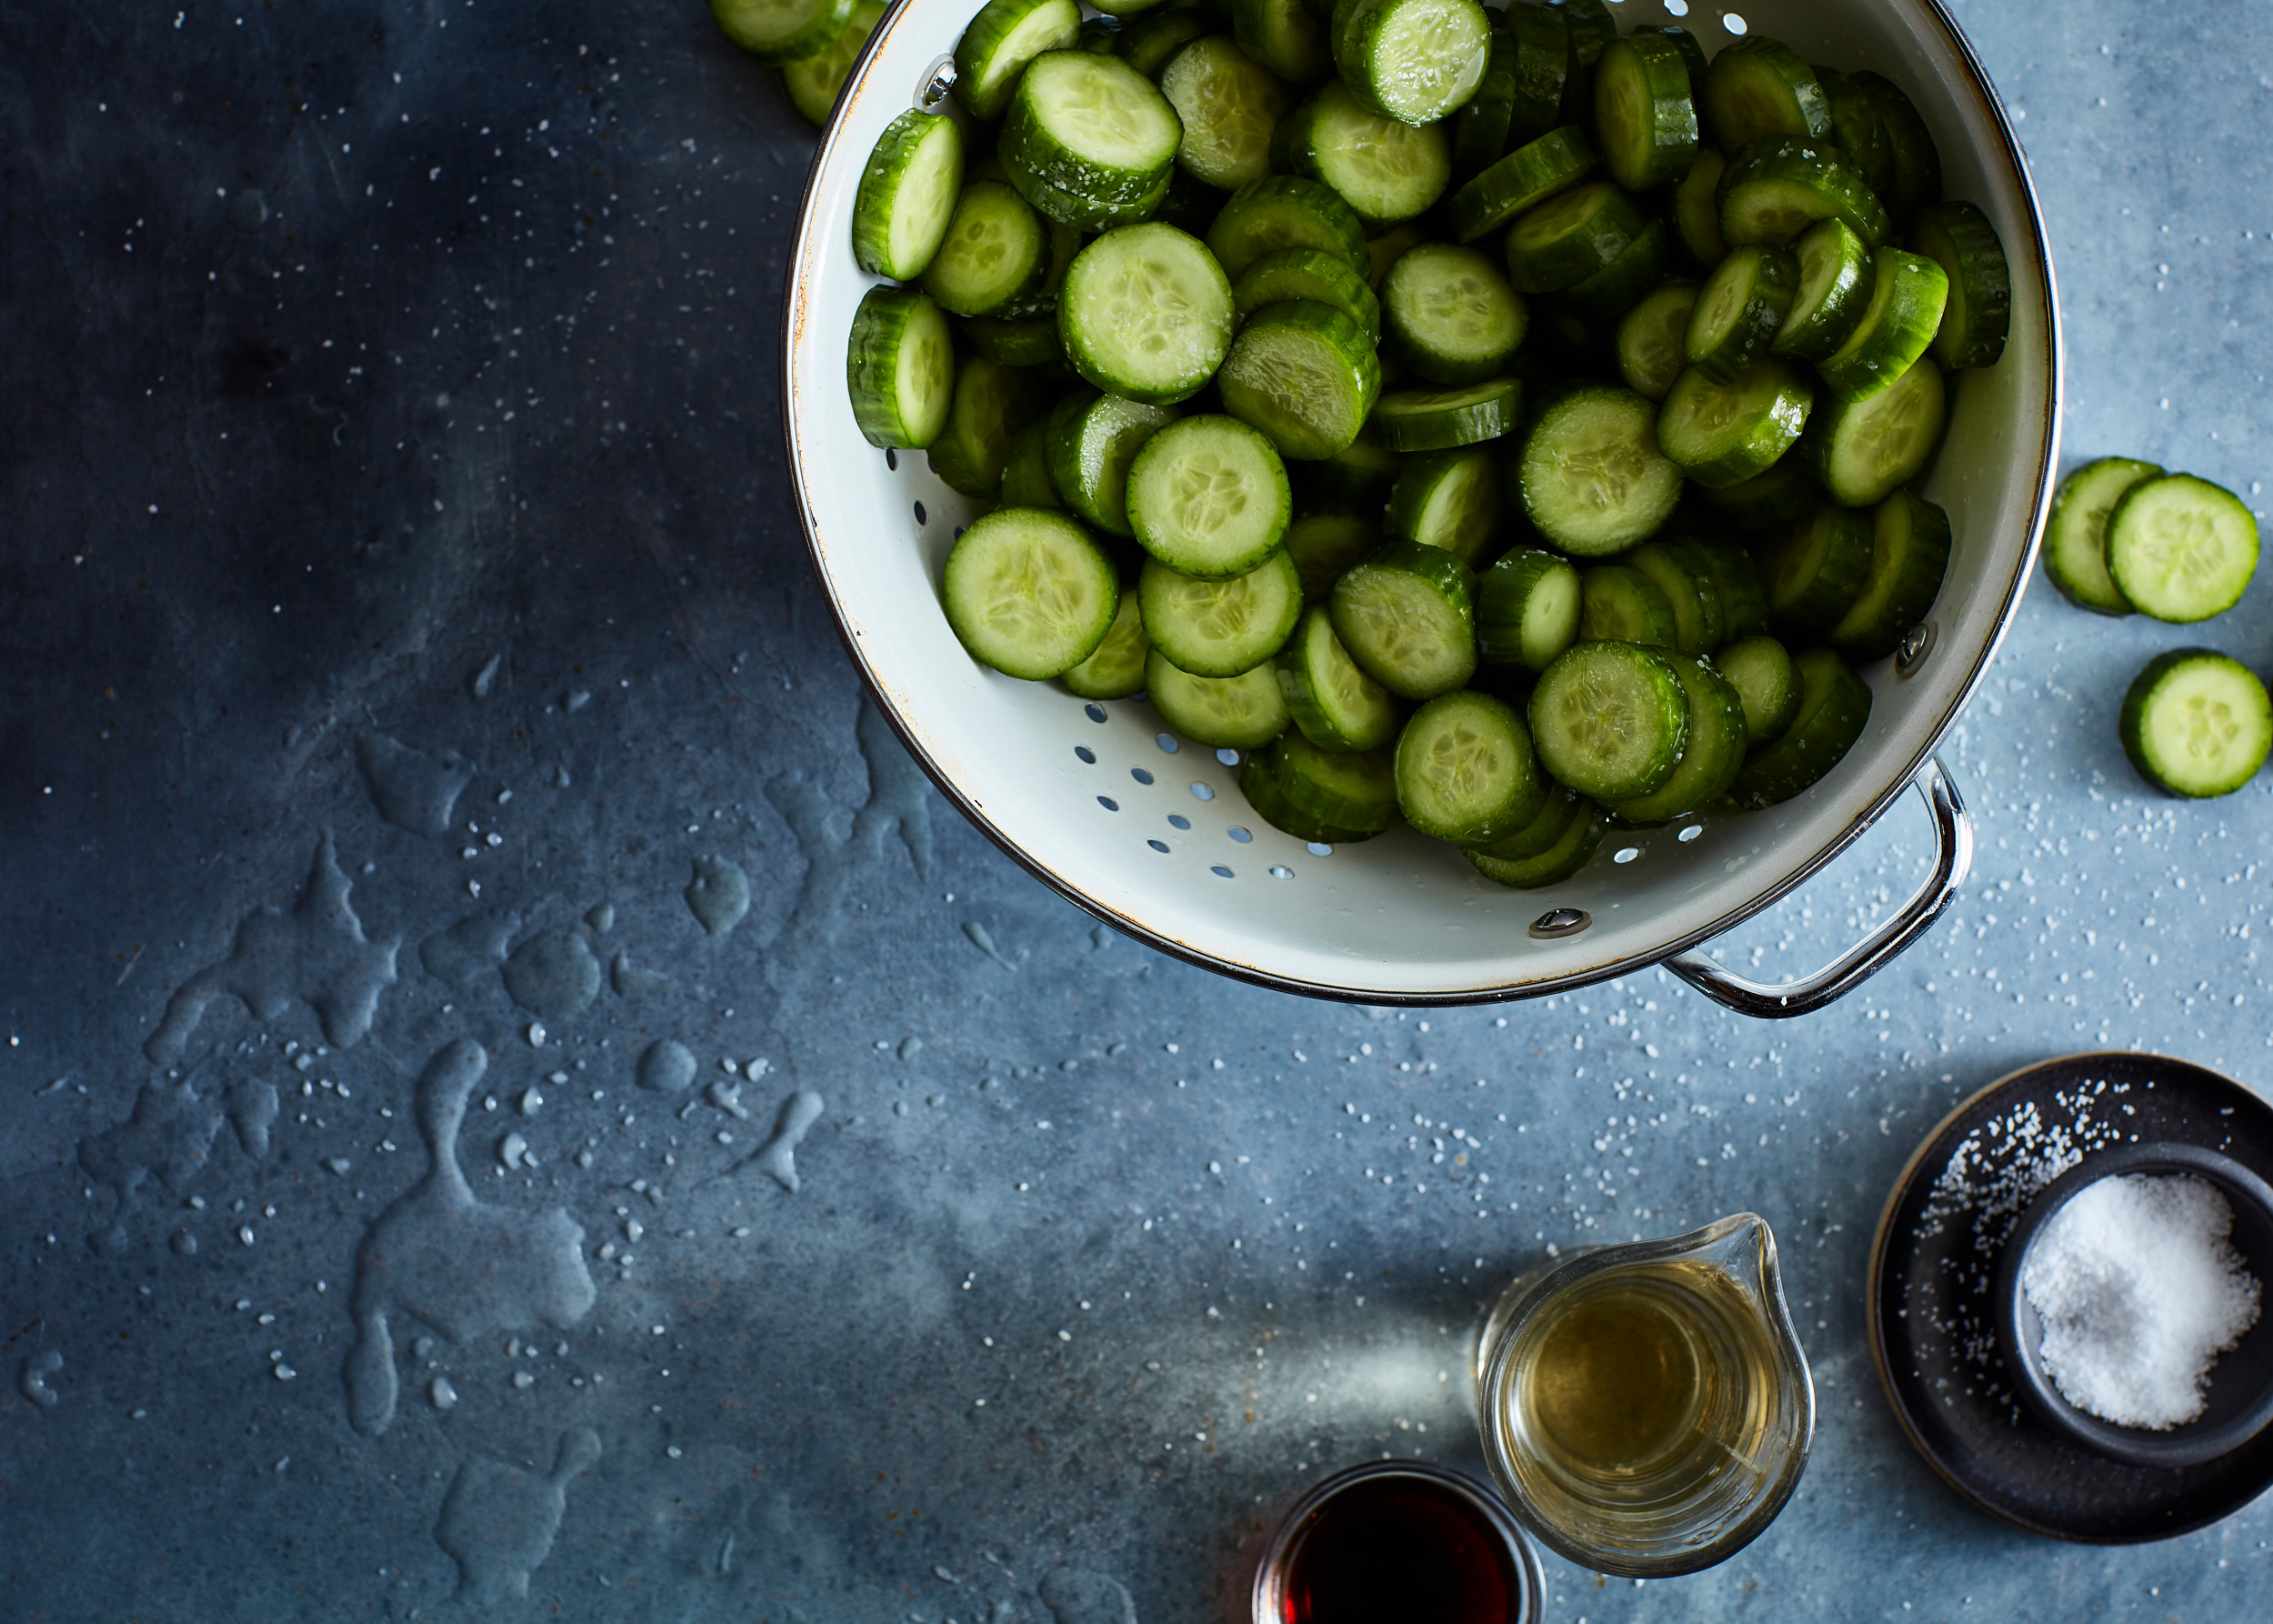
column 1399, row 1551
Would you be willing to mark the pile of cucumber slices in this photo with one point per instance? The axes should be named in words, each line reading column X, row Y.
column 1479, row 417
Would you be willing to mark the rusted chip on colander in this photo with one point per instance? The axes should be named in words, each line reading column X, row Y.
column 1559, row 922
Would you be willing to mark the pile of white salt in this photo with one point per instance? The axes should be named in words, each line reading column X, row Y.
column 2139, row 1290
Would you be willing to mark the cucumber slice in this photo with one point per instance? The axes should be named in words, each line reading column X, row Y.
column 1897, row 326
column 1781, row 495
column 1088, row 140
column 1028, row 592
column 1542, row 70
column 1283, row 38
column 1330, row 796
column 1387, row 249
column 1228, row 106
column 900, row 368
column 1099, row 34
column 1385, row 170
column 1336, row 706
column 815, row 81
column 1304, row 374
column 1285, row 211
column 1440, row 419
column 994, row 256
column 1591, row 475
column 1014, row 340
column 1573, row 849
column 2197, row 723
column 1527, row 609
column 1696, row 209
column 1524, row 179
column 1692, row 591
column 2076, row 535
column 1325, row 541
column 1479, row 129
column 1619, row 603
column 1592, row 28
column 1310, row 274
column 1959, row 237
column 1651, row 336
column 1093, row 438
column 1561, row 807
column 1122, row 11
column 1712, row 750
column 1117, row 669
column 1146, row 312
column 2180, row 549
column 1025, row 470
column 1065, row 242
column 1759, row 87
column 1909, row 554
column 1208, row 497
column 1408, row 617
column 1863, row 451
column 1465, row 771
column 1448, row 499
column 1001, row 40
column 1645, row 120
column 1913, row 164
column 1220, row 628
column 1723, row 434
column 1856, row 126
column 1834, row 709
column 1223, row 712
column 1779, row 185
column 1569, row 237
column 1744, row 304
column 1605, row 298
column 1736, row 583
column 992, row 402
column 1148, row 43
column 1817, row 571
column 1761, row 671
column 1415, row 61
column 1362, row 472
column 1609, row 719
column 781, row 30
column 1836, row 278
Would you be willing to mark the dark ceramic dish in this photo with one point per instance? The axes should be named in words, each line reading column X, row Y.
column 2240, row 1400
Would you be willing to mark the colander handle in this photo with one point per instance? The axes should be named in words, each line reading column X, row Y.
column 1953, row 856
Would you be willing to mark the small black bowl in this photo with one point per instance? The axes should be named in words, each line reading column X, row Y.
column 2239, row 1401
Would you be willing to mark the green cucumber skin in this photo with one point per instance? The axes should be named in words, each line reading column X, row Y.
column 1776, row 431
column 1619, row 603
column 1691, row 585
column 1773, row 278
column 1103, row 503
column 1412, row 420
column 1805, row 601
column 1162, row 681
column 1506, row 596
column 1712, row 752
column 1342, row 340
column 975, row 52
column 2151, row 596
column 1909, row 296
column 1736, row 122
column 2076, row 533
column 1297, row 681
column 829, row 20
column 1822, row 170
column 1598, row 222
column 1669, row 146
column 1416, row 490
column 1551, row 161
column 1114, row 671
column 1310, row 274
column 1261, row 217
column 1810, row 335
column 1348, row 789
column 1524, row 798
column 1605, row 298
column 1909, row 554
column 879, row 183
column 1147, row 41
column 1443, row 574
column 1856, row 126
column 1761, row 668
column 1959, row 237
column 1834, row 421
column 1834, row 711
column 1479, row 129
column 992, row 404
column 2131, row 723
column 880, row 327
column 1581, row 837
column 1561, row 805
column 1915, row 165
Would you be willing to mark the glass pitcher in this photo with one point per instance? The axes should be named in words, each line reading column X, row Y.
column 1646, row 1409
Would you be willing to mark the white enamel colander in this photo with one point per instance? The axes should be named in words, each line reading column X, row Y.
column 1150, row 833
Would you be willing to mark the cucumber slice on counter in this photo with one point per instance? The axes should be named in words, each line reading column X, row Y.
column 1834, row 709
column 2197, row 723
column 1742, row 306
column 1028, row 592
column 1605, row 298
column 1146, row 312
column 1724, row 433
column 1782, row 495
column 1411, row 60
column 1712, row 750
column 815, row 81
column 1959, row 237
column 1909, row 554
column 1777, row 186
column 908, row 195
column 1284, row 36
column 1836, row 278
column 1448, row 499
column 1906, row 300
column 2180, row 549
column 1408, row 617
column 1220, row 628
column 1609, row 719
column 1862, row 451
column 1208, row 496
column 1450, row 314
column 1025, row 470
column 1696, row 209
column 1440, row 419
column 1650, row 339
column 900, row 368
column 1692, row 591
column 1117, row 669
column 1645, row 120
column 783, row 30
column 1001, row 40
column 1619, row 603
column 1310, row 274
column 1223, row 712
column 1737, row 583
column 1578, row 836
column 1385, row 170
column 1761, row 670
column 2076, row 535
column 1336, row 706
column 1569, row 237
column 992, row 402
column 1304, row 374
column 1088, row 140
column 1914, row 166
column 1228, row 106
column 1525, row 178
column 1285, row 211
column 1149, row 42
column 1326, row 539
column 1466, row 771
column 1329, row 796
column 1093, row 439
column 995, row 254
column 1759, row 87
column 1527, row 609
column 1817, row 571
column 1591, row 475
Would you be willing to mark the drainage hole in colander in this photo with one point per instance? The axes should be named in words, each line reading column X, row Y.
column 1318, row 848
column 1732, row 22
column 1166, row 742
column 921, row 517
column 1108, row 804
column 1087, row 754
column 1280, row 871
column 1626, row 854
column 1140, row 775
column 1201, row 792
column 892, row 460
column 1178, row 820
column 1095, row 713
column 1678, row 8
column 1238, row 833
column 1689, row 834
column 1157, row 845
column 1228, row 757
column 1220, row 871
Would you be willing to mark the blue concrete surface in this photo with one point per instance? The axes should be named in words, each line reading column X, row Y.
column 397, row 544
